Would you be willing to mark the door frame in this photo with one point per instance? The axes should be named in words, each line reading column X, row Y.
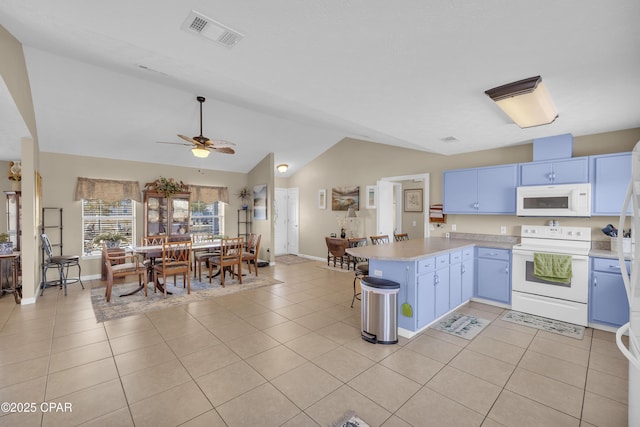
column 425, row 178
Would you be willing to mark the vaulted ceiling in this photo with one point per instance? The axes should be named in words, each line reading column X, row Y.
column 111, row 78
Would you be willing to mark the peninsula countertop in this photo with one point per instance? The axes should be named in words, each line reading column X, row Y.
column 410, row 250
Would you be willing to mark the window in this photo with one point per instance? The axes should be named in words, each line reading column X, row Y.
column 207, row 218
column 106, row 217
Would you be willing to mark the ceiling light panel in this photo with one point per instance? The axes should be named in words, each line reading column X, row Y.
column 199, row 24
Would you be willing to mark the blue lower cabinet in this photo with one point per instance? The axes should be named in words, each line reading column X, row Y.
column 467, row 271
column 441, row 291
column 493, row 274
column 426, row 308
column 608, row 302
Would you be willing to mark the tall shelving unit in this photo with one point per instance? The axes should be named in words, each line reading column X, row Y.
column 52, row 227
column 244, row 223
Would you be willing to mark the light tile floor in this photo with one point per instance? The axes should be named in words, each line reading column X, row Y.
column 291, row 354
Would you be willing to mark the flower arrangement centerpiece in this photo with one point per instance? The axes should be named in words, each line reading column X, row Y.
column 244, row 194
column 167, row 186
column 112, row 239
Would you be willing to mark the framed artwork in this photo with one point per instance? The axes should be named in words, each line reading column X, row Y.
column 260, row 201
column 370, row 197
column 413, row 200
column 343, row 198
column 322, row 198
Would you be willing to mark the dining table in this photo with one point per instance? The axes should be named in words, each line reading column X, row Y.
column 152, row 252
column 13, row 259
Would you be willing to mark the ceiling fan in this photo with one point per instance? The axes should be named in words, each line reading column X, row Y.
column 201, row 146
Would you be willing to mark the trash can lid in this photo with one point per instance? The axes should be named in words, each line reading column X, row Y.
column 375, row 282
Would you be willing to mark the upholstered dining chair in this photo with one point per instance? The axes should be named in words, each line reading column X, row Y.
column 251, row 253
column 379, row 240
column 121, row 266
column 360, row 265
column 399, row 237
column 229, row 257
column 62, row 263
column 337, row 251
column 176, row 259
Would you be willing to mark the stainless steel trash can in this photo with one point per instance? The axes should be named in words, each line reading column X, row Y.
column 379, row 310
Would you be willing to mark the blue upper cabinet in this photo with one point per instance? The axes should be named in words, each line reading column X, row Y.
column 568, row 171
column 609, row 175
column 490, row 190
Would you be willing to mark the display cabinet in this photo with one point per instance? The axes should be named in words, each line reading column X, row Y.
column 14, row 218
column 166, row 215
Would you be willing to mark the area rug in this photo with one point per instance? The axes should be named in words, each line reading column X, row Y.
column 549, row 325
column 350, row 419
column 461, row 325
column 290, row 259
column 138, row 303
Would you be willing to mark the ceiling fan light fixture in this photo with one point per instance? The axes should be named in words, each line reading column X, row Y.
column 527, row 102
column 200, row 152
column 282, row 167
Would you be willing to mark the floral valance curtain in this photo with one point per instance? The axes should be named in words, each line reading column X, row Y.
column 107, row 190
column 209, row 194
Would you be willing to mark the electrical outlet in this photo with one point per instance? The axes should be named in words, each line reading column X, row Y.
column 377, row 273
column 503, row 229
column 453, row 227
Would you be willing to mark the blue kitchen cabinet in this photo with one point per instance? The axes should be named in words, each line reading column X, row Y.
column 467, row 272
column 490, row 190
column 455, row 279
column 433, row 289
column 608, row 302
column 493, row 274
column 441, row 285
column 609, row 175
column 569, row 171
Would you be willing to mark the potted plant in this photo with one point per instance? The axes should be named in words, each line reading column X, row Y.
column 6, row 246
column 167, row 186
column 112, row 239
column 244, row 195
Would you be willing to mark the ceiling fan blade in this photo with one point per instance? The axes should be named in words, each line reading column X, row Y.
column 220, row 143
column 191, row 140
column 226, row 150
column 174, row 143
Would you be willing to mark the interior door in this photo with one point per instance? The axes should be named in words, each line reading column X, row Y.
column 292, row 221
column 280, row 214
column 385, row 209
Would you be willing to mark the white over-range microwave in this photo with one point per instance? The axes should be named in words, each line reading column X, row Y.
column 554, row 200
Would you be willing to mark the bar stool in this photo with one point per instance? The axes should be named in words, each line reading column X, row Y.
column 62, row 263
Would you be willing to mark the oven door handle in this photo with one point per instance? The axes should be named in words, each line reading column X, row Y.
column 527, row 252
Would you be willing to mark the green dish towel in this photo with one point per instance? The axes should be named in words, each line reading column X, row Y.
column 552, row 267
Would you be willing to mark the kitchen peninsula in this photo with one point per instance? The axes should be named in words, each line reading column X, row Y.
column 436, row 274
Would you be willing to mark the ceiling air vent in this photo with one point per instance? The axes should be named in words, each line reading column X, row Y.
column 449, row 139
column 206, row 27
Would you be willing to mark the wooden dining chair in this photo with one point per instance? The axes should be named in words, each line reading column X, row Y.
column 200, row 256
column 337, row 251
column 118, row 265
column 251, row 253
column 230, row 256
column 379, row 240
column 176, row 259
column 399, row 237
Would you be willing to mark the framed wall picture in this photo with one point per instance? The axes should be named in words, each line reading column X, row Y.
column 413, row 200
column 343, row 198
column 370, row 197
column 260, row 201
column 322, row 198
